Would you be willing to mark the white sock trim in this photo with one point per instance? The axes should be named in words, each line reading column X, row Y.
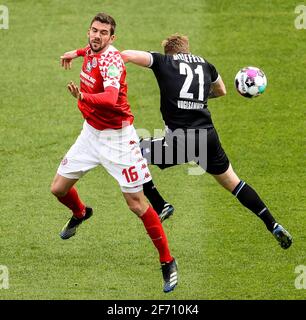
column 243, row 184
column 262, row 211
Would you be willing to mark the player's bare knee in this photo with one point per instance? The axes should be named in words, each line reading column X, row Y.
column 135, row 204
column 57, row 190
column 228, row 179
column 136, row 210
column 135, row 207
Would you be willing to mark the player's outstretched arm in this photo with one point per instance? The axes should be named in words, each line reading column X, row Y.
column 217, row 89
column 67, row 57
column 141, row 58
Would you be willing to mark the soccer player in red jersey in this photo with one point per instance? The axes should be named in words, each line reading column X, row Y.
column 109, row 139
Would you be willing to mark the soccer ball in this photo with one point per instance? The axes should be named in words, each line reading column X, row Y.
column 250, row 82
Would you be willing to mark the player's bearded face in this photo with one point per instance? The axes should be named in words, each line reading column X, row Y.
column 99, row 36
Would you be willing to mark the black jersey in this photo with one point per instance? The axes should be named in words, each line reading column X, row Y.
column 184, row 81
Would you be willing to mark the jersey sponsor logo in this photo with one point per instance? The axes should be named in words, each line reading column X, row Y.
column 88, row 77
column 87, row 83
column 183, row 104
column 113, row 71
column 64, row 161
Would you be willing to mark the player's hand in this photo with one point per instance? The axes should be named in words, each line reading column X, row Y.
column 74, row 90
column 66, row 59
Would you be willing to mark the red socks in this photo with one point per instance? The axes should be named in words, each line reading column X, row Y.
column 150, row 220
column 156, row 232
column 73, row 202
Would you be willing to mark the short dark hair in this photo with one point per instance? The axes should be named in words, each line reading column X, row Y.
column 105, row 18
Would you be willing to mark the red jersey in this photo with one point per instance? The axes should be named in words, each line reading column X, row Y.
column 100, row 71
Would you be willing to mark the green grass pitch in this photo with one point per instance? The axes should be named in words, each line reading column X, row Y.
column 223, row 251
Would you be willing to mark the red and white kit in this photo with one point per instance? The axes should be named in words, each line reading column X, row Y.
column 108, row 137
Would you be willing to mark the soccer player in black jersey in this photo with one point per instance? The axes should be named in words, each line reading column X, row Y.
column 186, row 82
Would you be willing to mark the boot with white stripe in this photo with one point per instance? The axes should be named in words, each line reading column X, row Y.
column 166, row 212
column 170, row 275
column 282, row 236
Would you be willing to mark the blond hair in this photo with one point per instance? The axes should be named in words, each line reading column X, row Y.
column 176, row 43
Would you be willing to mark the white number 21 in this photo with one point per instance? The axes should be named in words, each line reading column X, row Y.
column 185, row 69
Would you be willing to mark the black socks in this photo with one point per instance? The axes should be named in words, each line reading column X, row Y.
column 243, row 192
column 251, row 200
column 153, row 196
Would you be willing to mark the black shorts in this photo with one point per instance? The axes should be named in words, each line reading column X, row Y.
column 182, row 146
